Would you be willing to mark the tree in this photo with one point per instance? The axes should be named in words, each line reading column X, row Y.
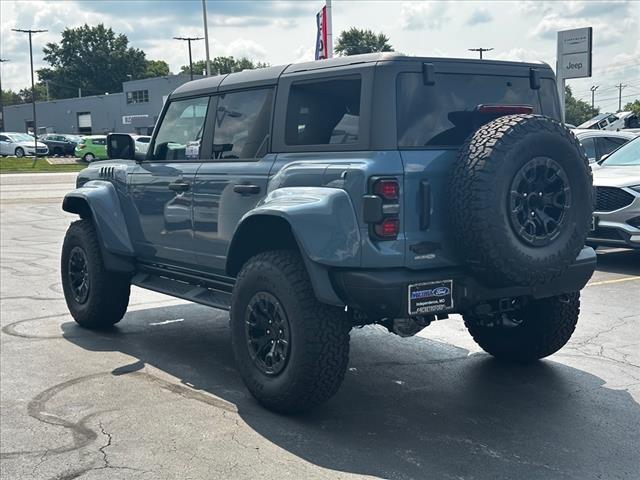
column 95, row 59
column 577, row 111
column 632, row 107
column 355, row 41
column 223, row 65
column 25, row 93
column 156, row 68
column 9, row 97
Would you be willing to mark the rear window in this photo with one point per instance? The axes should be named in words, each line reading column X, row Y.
column 445, row 114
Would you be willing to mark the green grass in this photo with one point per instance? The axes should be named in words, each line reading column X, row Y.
column 25, row 165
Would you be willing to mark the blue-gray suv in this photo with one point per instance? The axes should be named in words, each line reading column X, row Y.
column 307, row 199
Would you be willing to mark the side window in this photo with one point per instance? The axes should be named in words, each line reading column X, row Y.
column 3, row 138
column 242, row 124
column 590, row 148
column 99, row 141
column 325, row 112
column 180, row 133
column 607, row 145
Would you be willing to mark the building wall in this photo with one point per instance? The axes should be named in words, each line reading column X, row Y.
column 109, row 113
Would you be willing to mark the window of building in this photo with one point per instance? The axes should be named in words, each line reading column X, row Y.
column 242, row 124
column 138, row 96
column 324, row 112
column 180, row 133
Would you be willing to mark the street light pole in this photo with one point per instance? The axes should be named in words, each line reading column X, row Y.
column 206, row 37
column 189, row 40
column 593, row 95
column 480, row 50
column 2, row 60
column 33, row 90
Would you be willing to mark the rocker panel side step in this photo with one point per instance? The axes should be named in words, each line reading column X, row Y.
column 187, row 291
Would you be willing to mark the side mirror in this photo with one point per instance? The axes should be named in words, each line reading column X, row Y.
column 121, row 146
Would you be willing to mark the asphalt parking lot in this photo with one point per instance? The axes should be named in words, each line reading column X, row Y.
column 158, row 396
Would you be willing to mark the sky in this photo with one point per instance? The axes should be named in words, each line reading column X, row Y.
column 280, row 32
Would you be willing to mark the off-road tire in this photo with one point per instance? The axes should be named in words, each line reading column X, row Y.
column 480, row 189
column 108, row 293
column 19, row 152
column 547, row 325
column 89, row 157
column 319, row 351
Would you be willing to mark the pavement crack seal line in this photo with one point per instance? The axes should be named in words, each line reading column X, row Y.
column 82, row 434
column 608, row 282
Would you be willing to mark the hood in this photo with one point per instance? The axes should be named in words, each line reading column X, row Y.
column 29, row 144
column 616, row 176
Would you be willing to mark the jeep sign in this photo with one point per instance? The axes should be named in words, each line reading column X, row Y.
column 574, row 53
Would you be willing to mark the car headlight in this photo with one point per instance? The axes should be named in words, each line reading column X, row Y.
column 636, row 188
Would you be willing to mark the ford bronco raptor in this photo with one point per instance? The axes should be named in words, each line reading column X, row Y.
column 311, row 198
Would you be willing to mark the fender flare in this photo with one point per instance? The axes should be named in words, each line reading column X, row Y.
column 99, row 200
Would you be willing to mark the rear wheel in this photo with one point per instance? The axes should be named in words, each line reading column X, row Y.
column 291, row 350
column 89, row 157
column 538, row 329
column 96, row 297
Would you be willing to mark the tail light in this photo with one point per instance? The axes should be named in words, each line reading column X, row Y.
column 388, row 189
column 81, row 146
column 388, row 229
column 381, row 208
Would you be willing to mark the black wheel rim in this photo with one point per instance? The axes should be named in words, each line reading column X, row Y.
column 79, row 275
column 539, row 199
column 267, row 332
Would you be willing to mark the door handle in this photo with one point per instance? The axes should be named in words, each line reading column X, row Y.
column 246, row 189
column 179, row 186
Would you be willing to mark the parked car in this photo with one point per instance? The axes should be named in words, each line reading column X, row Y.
column 370, row 189
column 141, row 143
column 91, row 148
column 616, row 217
column 598, row 143
column 20, row 144
column 611, row 121
column 60, row 144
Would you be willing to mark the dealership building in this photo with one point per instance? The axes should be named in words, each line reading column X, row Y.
column 134, row 110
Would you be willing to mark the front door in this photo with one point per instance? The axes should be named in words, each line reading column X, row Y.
column 235, row 179
column 161, row 187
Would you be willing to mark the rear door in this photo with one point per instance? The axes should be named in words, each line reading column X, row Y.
column 161, row 187
column 234, row 179
column 434, row 118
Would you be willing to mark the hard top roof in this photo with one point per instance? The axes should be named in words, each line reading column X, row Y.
column 270, row 75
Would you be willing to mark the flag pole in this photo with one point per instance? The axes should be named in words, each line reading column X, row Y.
column 329, row 30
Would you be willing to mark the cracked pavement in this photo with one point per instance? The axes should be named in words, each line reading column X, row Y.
column 158, row 397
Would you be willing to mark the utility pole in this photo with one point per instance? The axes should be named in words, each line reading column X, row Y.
column 2, row 60
column 206, row 36
column 33, row 91
column 189, row 40
column 620, row 86
column 593, row 95
column 480, row 50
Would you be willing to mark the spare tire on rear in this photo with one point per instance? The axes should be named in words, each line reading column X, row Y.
column 521, row 200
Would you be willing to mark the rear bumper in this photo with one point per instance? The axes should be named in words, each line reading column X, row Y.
column 384, row 293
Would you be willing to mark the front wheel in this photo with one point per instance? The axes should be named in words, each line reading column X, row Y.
column 291, row 350
column 19, row 152
column 539, row 329
column 96, row 297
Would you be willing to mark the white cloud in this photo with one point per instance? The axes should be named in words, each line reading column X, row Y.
column 481, row 15
column 417, row 15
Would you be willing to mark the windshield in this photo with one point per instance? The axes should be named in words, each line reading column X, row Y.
column 21, row 137
column 627, row 155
